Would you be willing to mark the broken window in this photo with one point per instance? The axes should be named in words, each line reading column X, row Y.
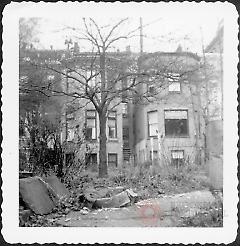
column 112, row 160
column 91, row 122
column 152, row 123
column 176, row 123
column 177, row 157
column 112, row 124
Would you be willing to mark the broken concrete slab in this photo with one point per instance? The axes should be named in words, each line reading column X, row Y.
column 185, row 201
column 151, row 212
column 35, row 195
column 115, row 201
column 58, row 190
column 115, row 190
column 132, row 195
column 92, row 194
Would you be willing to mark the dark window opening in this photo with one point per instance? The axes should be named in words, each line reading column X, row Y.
column 176, row 123
column 69, row 158
column 112, row 160
column 91, row 122
column 91, row 161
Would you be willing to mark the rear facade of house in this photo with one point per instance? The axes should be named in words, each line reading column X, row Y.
column 169, row 130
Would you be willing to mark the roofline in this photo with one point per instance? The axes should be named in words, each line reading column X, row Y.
column 160, row 53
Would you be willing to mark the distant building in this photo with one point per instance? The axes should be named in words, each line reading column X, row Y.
column 214, row 137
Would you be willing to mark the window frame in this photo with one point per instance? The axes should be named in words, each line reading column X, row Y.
column 148, row 124
column 175, row 79
column 95, row 120
column 177, row 161
column 113, row 154
column 187, row 124
column 175, row 91
column 115, row 119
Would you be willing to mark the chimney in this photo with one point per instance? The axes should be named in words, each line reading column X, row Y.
column 76, row 48
column 179, row 48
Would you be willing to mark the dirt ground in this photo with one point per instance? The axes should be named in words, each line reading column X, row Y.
column 168, row 193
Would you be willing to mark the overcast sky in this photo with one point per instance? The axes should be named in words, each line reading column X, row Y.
column 165, row 25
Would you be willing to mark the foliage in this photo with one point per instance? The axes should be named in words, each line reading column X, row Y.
column 28, row 30
column 211, row 216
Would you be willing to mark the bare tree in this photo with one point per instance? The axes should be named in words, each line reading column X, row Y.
column 102, row 77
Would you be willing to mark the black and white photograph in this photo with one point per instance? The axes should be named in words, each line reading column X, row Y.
column 120, row 122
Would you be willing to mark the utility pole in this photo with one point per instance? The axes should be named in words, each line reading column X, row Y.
column 67, row 42
column 141, row 36
column 207, row 100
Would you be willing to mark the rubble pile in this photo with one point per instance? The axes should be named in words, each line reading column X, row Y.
column 43, row 196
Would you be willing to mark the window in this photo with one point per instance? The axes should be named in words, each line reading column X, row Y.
column 174, row 87
column 91, row 161
column 152, row 123
column 70, row 157
column 112, row 160
column 91, row 131
column 112, row 124
column 154, row 154
column 95, row 78
column 174, row 83
column 124, row 109
column 125, row 133
column 176, row 123
column 177, row 157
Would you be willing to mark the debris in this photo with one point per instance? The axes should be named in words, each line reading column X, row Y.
column 35, row 195
column 84, row 212
column 58, row 189
column 68, row 219
column 116, row 201
column 24, row 216
column 41, row 195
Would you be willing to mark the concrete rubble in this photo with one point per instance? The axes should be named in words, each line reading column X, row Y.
column 164, row 211
column 42, row 194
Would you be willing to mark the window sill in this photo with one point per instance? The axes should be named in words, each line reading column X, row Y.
column 112, row 140
column 174, row 92
column 185, row 136
column 154, row 137
column 92, row 140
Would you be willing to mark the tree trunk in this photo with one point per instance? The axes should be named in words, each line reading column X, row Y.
column 103, row 171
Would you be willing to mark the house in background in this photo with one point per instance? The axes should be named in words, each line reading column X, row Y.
column 169, row 129
column 81, row 121
column 214, row 62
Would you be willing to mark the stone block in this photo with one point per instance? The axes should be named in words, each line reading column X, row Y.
column 35, row 195
column 57, row 188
